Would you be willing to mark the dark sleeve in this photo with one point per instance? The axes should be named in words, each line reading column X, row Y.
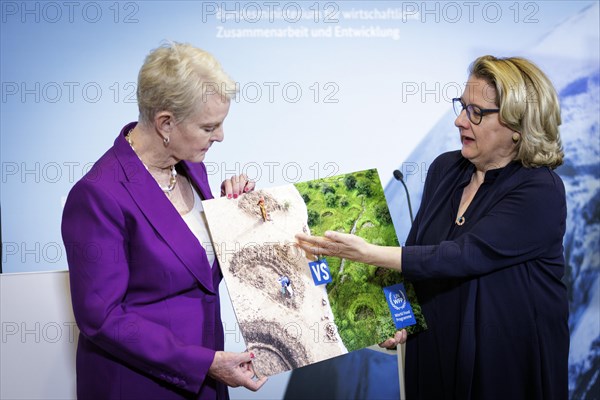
column 527, row 223
column 93, row 229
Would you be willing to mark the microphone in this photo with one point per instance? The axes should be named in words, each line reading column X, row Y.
column 399, row 177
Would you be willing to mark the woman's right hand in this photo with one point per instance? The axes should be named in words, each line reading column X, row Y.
column 236, row 186
column 336, row 244
column 235, row 369
column 351, row 247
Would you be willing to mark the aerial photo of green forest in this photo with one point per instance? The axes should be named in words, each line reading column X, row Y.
column 355, row 203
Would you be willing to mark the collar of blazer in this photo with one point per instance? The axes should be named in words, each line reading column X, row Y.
column 159, row 211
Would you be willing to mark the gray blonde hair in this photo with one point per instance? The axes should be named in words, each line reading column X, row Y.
column 528, row 104
column 175, row 77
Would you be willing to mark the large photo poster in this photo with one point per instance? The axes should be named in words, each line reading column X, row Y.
column 294, row 310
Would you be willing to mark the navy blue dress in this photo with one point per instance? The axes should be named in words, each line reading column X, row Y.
column 491, row 289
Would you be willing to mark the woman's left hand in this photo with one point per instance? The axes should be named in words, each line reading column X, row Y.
column 336, row 244
column 236, row 185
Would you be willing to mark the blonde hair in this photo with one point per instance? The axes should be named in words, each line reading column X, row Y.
column 528, row 104
column 175, row 77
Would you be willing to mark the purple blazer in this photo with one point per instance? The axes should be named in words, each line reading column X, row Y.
column 144, row 296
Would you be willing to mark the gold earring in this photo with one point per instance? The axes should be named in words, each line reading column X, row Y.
column 515, row 137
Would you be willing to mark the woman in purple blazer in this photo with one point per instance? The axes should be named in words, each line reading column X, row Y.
column 144, row 278
column 485, row 252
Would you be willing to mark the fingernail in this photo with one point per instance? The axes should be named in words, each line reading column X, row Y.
column 229, row 196
column 251, row 355
column 246, row 189
column 235, row 196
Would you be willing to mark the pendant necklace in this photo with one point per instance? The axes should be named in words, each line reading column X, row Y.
column 172, row 182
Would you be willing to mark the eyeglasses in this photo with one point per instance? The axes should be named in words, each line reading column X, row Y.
column 474, row 113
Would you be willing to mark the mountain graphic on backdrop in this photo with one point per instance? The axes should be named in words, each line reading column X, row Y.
column 569, row 55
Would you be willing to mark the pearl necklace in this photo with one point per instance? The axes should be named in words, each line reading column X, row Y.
column 172, row 182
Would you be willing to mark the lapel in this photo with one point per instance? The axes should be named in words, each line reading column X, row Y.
column 197, row 174
column 160, row 212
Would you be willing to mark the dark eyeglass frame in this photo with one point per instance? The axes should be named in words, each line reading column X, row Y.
column 472, row 110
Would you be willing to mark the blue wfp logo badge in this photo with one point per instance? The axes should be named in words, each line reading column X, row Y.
column 400, row 308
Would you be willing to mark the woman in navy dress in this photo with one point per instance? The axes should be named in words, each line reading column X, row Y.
column 485, row 252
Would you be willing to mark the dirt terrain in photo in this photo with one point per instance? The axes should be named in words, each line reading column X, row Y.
column 284, row 331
